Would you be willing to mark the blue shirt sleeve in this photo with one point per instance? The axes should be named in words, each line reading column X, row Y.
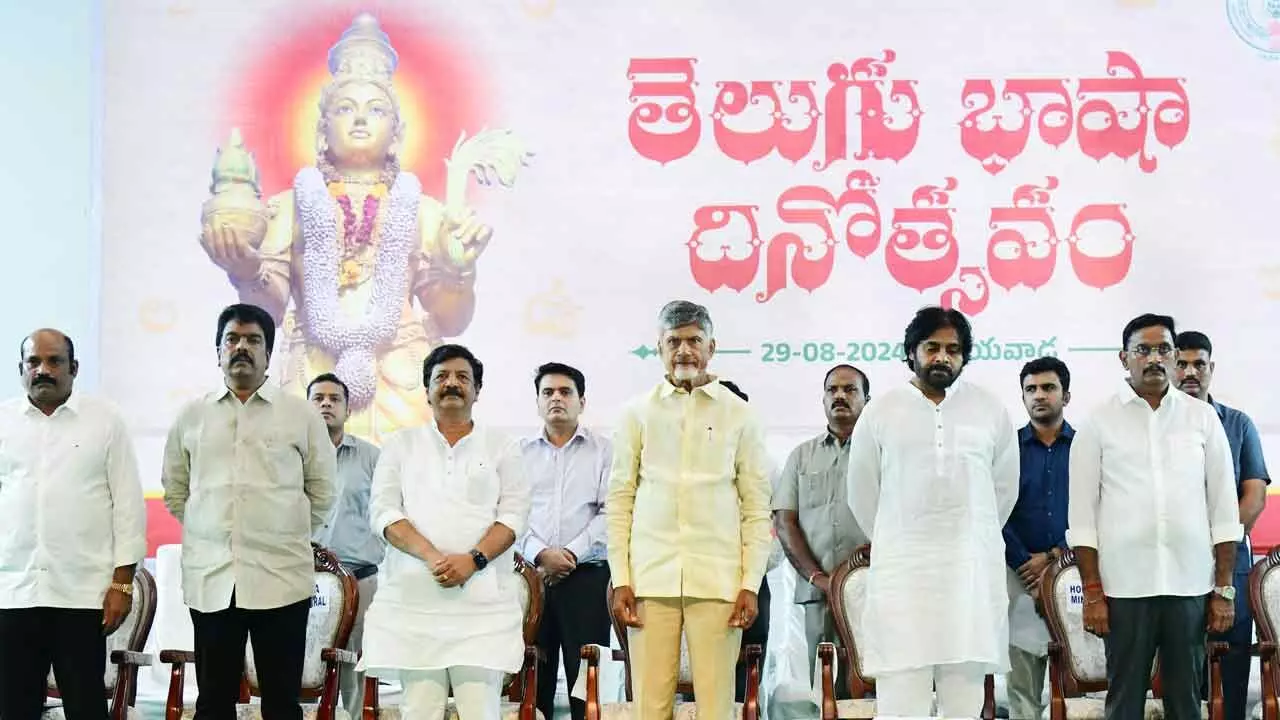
column 1252, row 464
column 1015, row 552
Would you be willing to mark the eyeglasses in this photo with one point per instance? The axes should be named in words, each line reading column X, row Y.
column 1147, row 350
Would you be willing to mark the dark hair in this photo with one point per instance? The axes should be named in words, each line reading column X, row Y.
column 733, row 388
column 1146, row 320
column 555, row 368
column 450, row 351
column 1190, row 340
column 246, row 313
column 866, row 382
column 71, row 347
column 330, row 378
column 929, row 320
column 1044, row 365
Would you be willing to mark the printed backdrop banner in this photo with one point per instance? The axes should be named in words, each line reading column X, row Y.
column 812, row 172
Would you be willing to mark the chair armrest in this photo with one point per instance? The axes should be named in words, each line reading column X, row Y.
column 177, row 657
column 1265, row 649
column 129, row 657
column 592, row 654
column 827, row 680
column 1217, row 650
column 338, row 656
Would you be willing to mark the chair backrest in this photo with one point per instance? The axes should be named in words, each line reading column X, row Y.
column 848, row 596
column 132, row 633
column 333, row 613
column 1264, row 600
column 1085, row 654
column 532, row 601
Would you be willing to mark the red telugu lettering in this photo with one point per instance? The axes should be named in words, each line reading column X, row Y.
column 917, row 260
column 665, row 145
column 1103, row 130
column 884, row 135
column 1013, row 258
column 971, row 296
column 1106, row 266
column 748, row 146
column 986, row 137
column 725, row 271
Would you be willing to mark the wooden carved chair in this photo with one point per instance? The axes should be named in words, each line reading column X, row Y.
column 520, row 692
column 748, row 709
column 1078, row 659
column 848, row 592
column 124, row 653
column 333, row 613
column 1264, row 600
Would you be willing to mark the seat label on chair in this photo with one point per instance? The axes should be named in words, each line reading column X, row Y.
column 1077, row 594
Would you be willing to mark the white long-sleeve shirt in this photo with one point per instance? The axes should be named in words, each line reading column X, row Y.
column 933, row 484
column 71, row 506
column 1153, row 491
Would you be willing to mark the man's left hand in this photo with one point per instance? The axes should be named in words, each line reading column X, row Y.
column 454, row 570
column 744, row 610
column 1222, row 614
column 1032, row 569
column 115, row 608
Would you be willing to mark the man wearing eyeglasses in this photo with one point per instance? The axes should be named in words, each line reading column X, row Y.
column 1153, row 519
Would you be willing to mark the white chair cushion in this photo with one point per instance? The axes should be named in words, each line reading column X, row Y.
column 55, row 713
column 1092, row 708
column 322, row 631
column 854, row 597
column 253, row 711
column 855, row 709
column 510, row 711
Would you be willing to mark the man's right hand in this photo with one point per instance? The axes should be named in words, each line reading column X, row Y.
column 1096, row 617
column 556, row 561
column 232, row 250
column 624, row 607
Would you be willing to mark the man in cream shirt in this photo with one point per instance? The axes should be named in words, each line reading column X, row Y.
column 688, row 523
column 249, row 472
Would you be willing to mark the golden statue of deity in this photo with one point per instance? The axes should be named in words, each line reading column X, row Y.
column 340, row 259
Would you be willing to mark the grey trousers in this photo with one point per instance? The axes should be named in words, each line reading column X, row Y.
column 1140, row 628
column 350, row 682
column 820, row 626
column 1025, row 683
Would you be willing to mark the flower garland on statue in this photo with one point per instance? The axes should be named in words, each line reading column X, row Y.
column 354, row 340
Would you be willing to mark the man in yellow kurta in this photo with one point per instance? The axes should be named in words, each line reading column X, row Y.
column 688, row 519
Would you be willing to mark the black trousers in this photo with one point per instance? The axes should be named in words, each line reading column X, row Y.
column 279, row 637
column 1140, row 628
column 71, row 641
column 757, row 634
column 576, row 613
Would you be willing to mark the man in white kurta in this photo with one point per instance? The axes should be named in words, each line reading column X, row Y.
column 450, row 498
column 933, row 476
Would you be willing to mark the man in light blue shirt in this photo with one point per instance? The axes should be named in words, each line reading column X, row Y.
column 346, row 532
column 568, row 471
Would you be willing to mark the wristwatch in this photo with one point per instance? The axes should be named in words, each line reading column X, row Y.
column 479, row 559
column 126, row 588
column 1227, row 592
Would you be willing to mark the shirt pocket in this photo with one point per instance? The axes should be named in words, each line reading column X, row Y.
column 482, row 484
column 817, row 489
column 1185, row 451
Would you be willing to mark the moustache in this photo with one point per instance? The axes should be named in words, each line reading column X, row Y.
column 43, row 380
column 840, row 404
column 1154, row 368
column 242, row 356
column 451, row 392
column 940, row 368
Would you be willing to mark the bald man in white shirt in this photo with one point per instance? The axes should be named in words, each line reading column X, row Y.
column 74, row 531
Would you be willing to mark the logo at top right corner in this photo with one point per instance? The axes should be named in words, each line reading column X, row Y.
column 1257, row 22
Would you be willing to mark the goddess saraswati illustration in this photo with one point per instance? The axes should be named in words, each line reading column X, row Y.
column 340, row 259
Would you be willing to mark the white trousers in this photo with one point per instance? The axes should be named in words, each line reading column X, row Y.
column 477, row 692
column 909, row 694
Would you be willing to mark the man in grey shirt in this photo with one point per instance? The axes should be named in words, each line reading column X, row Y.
column 346, row 532
column 811, row 511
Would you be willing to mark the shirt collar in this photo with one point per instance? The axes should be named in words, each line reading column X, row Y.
column 347, row 440
column 268, row 392
column 579, row 432
column 72, row 405
column 830, row 439
column 1028, row 433
column 712, row 388
column 1127, row 395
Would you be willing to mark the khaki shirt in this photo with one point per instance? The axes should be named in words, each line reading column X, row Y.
column 813, row 484
column 688, row 505
column 250, row 482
